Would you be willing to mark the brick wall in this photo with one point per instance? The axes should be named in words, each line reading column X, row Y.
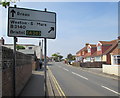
column 23, row 71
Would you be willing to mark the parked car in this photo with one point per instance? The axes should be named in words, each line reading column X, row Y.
column 71, row 62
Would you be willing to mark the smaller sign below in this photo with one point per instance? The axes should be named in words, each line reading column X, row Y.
column 31, row 23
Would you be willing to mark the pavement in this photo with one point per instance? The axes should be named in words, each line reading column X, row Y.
column 35, row 86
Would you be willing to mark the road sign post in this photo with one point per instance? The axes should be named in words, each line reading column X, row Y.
column 34, row 24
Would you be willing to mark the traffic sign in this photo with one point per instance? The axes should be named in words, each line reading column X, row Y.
column 31, row 23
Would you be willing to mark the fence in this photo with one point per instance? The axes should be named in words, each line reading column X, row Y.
column 89, row 64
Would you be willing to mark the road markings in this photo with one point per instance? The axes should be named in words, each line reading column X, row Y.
column 65, row 69
column 79, row 75
column 110, row 89
column 60, row 91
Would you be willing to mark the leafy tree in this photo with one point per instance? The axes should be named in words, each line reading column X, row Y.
column 70, row 57
column 7, row 4
column 20, row 47
column 57, row 56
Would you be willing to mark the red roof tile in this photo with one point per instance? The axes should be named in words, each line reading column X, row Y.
column 116, row 51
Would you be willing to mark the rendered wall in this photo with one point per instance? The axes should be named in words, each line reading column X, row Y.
column 111, row 69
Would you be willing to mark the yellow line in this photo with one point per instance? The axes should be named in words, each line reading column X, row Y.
column 56, row 85
column 60, row 91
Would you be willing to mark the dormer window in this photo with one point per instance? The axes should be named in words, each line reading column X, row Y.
column 89, row 50
column 98, row 48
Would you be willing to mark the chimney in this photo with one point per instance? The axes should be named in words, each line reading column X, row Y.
column 86, row 44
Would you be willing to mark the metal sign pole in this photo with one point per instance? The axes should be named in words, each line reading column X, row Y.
column 45, row 63
column 14, row 65
column 45, row 78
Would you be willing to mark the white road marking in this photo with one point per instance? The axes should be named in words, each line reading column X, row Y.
column 79, row 75
column 65, row 69
column 110, row 89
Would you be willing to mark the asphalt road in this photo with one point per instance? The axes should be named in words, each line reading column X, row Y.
column 76, row 82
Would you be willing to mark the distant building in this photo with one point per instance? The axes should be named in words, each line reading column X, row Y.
column 29, row 48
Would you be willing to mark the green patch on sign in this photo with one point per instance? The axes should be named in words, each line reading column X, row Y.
column 33, row 33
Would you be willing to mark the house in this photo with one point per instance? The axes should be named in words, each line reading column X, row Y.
column 104, row 48
column 91, row 49
column 81, row 53
column 97, row 53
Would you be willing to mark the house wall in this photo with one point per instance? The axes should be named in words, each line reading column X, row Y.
column 111, row 69
column 112, row 60
column 108, row 59
column 104, row 58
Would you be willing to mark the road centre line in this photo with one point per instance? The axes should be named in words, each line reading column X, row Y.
column 65, row 69
column 110, row 89
column 79, row 75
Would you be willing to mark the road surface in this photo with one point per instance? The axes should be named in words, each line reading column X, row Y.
column 76, row 82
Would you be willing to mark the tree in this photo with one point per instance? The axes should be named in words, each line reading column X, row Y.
column 57, row 56
column 7, row 4
column 20, row 47
column 69, row 56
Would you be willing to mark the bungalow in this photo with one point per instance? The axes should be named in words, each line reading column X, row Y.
column 91, row 49
column 81, row 53
column 104, row 48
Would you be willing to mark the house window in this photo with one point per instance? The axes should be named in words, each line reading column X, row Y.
column 89, row 50
column 98, row 58
column 116, row 59
column 82, row 52
column 99, row 48
column 30, row 47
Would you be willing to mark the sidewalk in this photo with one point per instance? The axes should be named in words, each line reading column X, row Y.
column 35, row 86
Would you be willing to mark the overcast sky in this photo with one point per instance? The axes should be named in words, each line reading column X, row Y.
column 77, row 23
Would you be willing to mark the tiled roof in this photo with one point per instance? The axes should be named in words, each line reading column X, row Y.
column 92, row 45
column 107, row 42
column 116, row 51
column 85, row 48
column 109, row 50
column 87, row 55
column 114, row 45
